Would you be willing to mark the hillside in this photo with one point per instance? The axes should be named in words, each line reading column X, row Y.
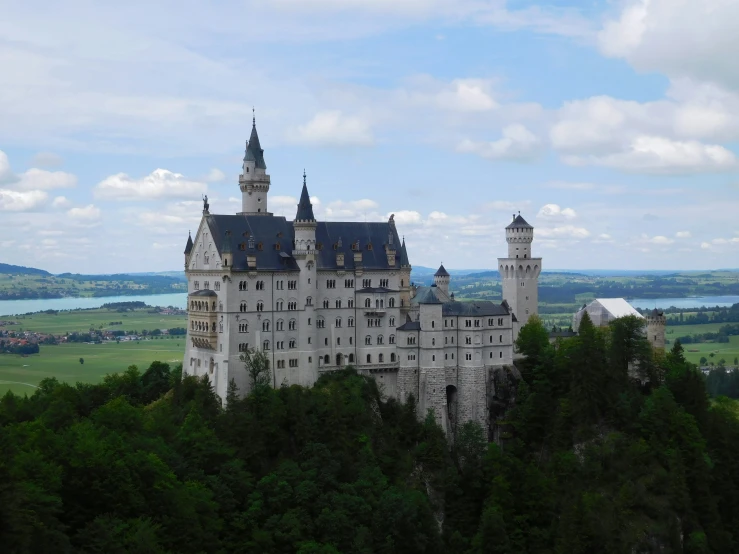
column 21, row 270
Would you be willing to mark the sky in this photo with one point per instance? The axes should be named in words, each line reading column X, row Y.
column 613, row 127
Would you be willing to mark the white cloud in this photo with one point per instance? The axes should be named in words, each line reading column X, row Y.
column 687, row 38
column 358, row 210
column 652, row 154
column 215, row 175
column 61, row 202
column 467, row 95
column 683, row 234
column 160, row 183
column 47, row 160
column 505, row 206
column 407, row 217
column 40, row 179
column 17, row 201
column 518, row 143
column 333, row 128
column 660, row 239
column 563, row 232
column 553, row 211
column 86, row 214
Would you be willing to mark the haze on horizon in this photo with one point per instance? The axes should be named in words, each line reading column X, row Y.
column 612, row 127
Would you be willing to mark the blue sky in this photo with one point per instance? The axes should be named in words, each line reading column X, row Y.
column 612, row 126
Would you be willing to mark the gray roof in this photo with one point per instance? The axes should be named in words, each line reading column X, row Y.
column 188, row 246
column 426, row 296
column 332, row 237
column 519, row 223
column 204, row 292
column 474, row 308
column 410, row 326
column 254, row 152
column 441, row 272
column 305, row 208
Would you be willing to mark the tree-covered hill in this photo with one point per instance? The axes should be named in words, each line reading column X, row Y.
column 21, row 270
column 609, row 448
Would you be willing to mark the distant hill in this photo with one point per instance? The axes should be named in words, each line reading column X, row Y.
column 21, row 270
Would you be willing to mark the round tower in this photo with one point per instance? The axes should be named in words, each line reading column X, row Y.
column 656, row 325
column 519, row 272
column 254, row 181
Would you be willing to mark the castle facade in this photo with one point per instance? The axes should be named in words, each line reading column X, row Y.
column 319, row 296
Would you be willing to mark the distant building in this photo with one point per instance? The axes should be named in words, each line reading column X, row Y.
column 604, row 310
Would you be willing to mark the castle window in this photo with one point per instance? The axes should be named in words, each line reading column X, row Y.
column 477, row 323
column 391, row 322
column 350, row 303
column 391, row 339
column 380, row 339
column 391, row 303
column 265, row 345
column 309, row 301
column 351, row 341
column 381, row 358
column 351, row 358
column 501, row 338
column 366, row 283
column 468, row 340
column 433, row 342
column 468, row 357
column 320, row 323
column 338, row 322
column 265, row 325
column 500, row 321
column 433, row 324
column 260, row 306
column 433, row 358
column 350, row 322
column 384, row 282
column 325, row 303
column 392, row 357
column 325, row 341
column 338, row 302
column 367, row 303
column 291, row 325
column 369, row 358
column 501, row 354
column 279, row 305
column 326, row 359
column 338, row 341
column 368, row 340
column 242, row 307
column 243, row 327
column 280, row 325
column 292, row 306
column 218, row 286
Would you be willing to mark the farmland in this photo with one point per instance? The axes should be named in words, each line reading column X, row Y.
column 21, row 374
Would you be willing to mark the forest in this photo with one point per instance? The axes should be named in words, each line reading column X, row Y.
column 609, row 447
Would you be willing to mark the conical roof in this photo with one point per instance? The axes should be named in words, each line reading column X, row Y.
column 404, row 255
column 426, row 296
column 254, row 152
column 441, row 272
column 305, row 208
column 188, row 246
column 519, row 223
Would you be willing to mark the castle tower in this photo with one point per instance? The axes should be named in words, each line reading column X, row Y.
column 254, row 181
column 304, row 253
column 656, row 324
column 432, row 377
column 519, row 273
column 441, row 280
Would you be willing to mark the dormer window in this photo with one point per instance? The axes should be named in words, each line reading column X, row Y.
column 251, row 243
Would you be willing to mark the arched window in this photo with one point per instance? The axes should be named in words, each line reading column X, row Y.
column 351, row 358
column 260, row 306
column 391, row 302
column 381, row 358
column 338, row 322
column 265, row 345
column 379, row 339
column 265, row 325
column 433, row 342
column 309, row 301
column 392, row 357
column 338, row 302
column 325, row 302
column 326, row 359
column 391, row 339
column 367, row 303
column 377, row 303
column 368, row 340
column 242, row 307
column 369, row 358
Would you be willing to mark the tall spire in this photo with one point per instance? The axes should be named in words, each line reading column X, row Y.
column 305, row 208
column 404, row 255
column 254, row 152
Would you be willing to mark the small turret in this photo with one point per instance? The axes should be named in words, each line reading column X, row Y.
column 519, row 236
column 254, row 181
column 188, row 249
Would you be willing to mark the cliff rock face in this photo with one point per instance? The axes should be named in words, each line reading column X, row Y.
column 502, row 386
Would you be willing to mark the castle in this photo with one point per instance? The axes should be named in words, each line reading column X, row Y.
column 319, row 296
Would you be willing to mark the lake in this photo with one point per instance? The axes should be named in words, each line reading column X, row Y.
column 179, row 300
column 695, row 302
column 12, row 307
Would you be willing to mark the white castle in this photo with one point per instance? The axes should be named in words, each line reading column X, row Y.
column 319, row 296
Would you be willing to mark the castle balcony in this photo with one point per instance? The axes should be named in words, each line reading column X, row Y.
column 375, row 311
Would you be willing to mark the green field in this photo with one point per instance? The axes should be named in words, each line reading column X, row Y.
column 83, row 320
column 21, row 375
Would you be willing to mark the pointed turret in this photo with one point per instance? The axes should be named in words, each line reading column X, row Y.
column 404, row 255
column 305, row 208
column 254, row 152
column 254, row 181
column 188, row 246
